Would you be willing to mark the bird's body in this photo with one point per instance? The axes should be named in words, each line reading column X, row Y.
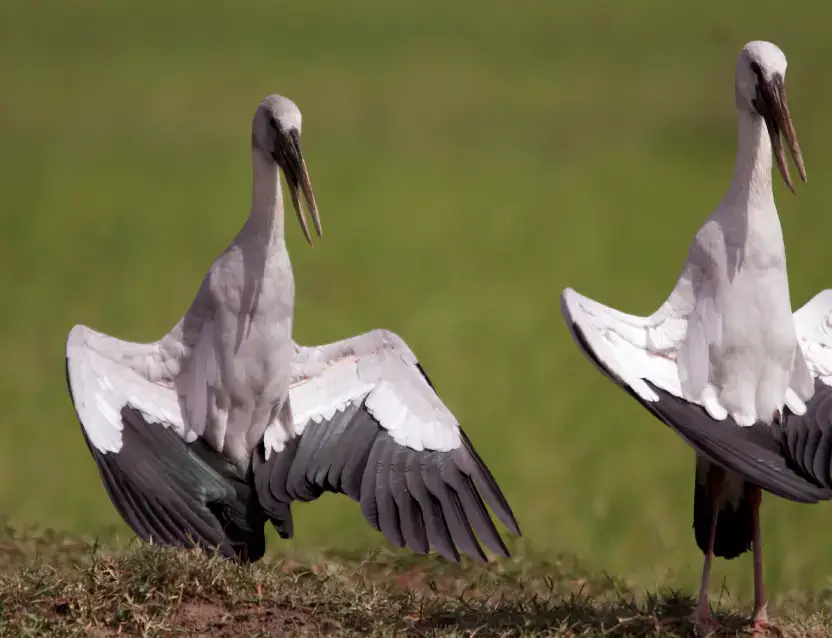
column 251, row 291
column 204, row 435
column 740, row 347
column 722, row 358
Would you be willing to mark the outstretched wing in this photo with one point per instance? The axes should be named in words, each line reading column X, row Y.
column 165, row 482
column 367, row 423
column 640, row 354
column 813, row 324
column 807, row 437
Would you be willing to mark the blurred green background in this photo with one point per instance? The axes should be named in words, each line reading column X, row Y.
column 470, row 160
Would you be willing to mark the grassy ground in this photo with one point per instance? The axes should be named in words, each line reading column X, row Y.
column 72, row 588
column 470, row 160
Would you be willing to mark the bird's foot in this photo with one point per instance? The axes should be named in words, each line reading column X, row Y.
column 704, row 623
column 759, row 621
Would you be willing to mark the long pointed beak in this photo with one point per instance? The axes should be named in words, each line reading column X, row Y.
column 775, row 111
column 297, row 178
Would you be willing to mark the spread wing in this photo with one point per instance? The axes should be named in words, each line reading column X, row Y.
column 807, row 437
column 165, row 482
column 641, row 354
column 368, row 423
column 813, row 324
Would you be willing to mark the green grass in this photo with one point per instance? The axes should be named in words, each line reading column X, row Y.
column 470, row 160
column 71, row 588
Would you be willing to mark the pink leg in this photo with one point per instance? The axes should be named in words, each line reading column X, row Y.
column 759, row 620
column 702, row 616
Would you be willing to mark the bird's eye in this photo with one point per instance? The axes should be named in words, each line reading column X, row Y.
column 755, row 67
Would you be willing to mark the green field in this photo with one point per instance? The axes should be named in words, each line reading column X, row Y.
column 470, row 160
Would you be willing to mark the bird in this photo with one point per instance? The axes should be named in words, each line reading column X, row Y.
column 723, row 361
column 204, row 436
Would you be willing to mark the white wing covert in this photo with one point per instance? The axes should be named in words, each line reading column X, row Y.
column 813, row 323
column 634, row 350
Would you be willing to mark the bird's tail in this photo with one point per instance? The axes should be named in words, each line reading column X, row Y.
column 241, row 519
column 270, row 483
column 734, row 530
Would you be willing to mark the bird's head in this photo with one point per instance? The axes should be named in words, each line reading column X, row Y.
column 760, row 89
column 275, row 133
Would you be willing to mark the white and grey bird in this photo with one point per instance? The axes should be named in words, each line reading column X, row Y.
column 202, row 437
column 723, row 361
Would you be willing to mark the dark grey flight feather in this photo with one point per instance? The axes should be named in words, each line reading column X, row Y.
column 806, row 440
column 417, row 499
column 176, row 494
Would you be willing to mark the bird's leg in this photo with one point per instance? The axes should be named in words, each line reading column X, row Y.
column 759, row 620
column 702, row 617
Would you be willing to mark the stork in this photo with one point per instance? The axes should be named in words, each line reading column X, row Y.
column 203, row 436
column 723, row 361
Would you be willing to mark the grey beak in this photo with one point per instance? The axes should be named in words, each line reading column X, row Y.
column 772, row 104
column 297, row 179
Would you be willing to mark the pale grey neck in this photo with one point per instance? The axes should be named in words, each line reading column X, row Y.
column 751, row 185
column 265, row 220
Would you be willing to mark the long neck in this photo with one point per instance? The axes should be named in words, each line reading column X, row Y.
column 265, row 221
column 751, row 185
